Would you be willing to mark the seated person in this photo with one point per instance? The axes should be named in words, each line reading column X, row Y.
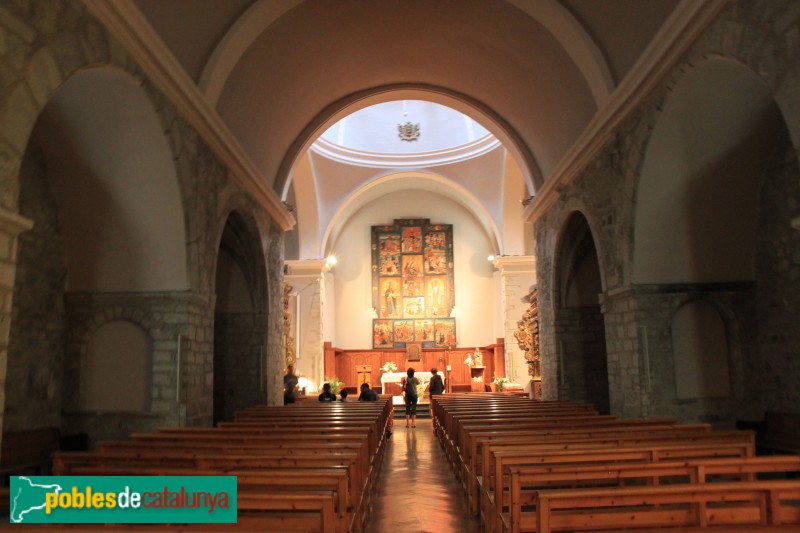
column 343, row 394
column 367, row 394
column 327, row 395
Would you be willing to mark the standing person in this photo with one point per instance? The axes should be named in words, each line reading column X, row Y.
column 327, row 395
column 367, row 394
column 289, row 385
column 437, row 385
column 410, row 393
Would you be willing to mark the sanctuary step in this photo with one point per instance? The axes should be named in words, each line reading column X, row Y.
column 423, row 408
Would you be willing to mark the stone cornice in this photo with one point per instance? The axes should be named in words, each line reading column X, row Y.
column 127, row 24
column 13, row 223
column 515, row 263
column 306, row 268
column 684, row 26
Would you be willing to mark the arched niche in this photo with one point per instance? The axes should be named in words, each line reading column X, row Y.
column 111, row 172
column 118, row 368
column 239, row 318
column 696, row 210
column 579, row 324
column 700, row 352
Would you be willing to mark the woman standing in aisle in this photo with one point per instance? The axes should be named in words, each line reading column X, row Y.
column 410, row 384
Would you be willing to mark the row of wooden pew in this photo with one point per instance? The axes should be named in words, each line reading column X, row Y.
column 306, row 467
column 542, row 466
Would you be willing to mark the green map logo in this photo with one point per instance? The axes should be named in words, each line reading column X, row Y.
column 122, row 499
column 29, row 497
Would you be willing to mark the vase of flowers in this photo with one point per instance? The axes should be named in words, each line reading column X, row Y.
column 390, row 366
column 500, row 383
column 336, row 384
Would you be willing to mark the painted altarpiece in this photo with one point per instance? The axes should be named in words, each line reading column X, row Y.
column 413, row 291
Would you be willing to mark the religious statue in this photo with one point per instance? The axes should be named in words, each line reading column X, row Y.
column 527, row 335
column 474, row 359
column 289, row 350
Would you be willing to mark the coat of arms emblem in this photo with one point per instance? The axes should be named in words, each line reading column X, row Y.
column 408, row 131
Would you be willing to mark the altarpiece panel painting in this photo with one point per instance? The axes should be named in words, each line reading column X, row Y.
column 412, row 284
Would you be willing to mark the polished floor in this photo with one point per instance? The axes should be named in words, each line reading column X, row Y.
column 417, row 491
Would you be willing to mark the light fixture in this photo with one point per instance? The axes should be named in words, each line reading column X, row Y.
column 330, row 261
column 302, row 382
column 490, row 258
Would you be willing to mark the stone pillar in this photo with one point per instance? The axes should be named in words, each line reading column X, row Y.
column 628, row 380
column 11, row 226
column 311, row 281
column 517, row 277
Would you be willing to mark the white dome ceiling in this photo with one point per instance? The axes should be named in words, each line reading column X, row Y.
column 374, row 128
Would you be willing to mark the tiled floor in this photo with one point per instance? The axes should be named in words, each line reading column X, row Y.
column 417, row 491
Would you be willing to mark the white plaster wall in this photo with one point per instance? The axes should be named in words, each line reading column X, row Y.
column 475, row 306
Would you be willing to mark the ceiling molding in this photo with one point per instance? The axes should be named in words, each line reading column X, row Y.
column 447, row 156
column 578, row 44
column 235, row 43
column 684, row 26
column 125, row 22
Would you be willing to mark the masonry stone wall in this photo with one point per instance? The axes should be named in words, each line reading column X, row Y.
column 238, row 345
column 43, row 44
column 778, row 281
column 583, row 366
column 760, row 320
column 36, row 339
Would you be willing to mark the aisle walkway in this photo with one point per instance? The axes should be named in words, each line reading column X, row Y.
column 417, row 491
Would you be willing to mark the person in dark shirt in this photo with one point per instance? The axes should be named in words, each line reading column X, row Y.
column 436, row 384
column 343, row 394
column 327, row 395
column 367, row 394
column 289, row 385
column 410, row 384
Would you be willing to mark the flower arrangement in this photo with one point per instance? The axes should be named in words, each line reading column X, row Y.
column 500, row 382
column 390, row 366
column 336, row 384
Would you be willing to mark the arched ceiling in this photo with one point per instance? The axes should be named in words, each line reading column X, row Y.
column 534, row 73
column 542, row 65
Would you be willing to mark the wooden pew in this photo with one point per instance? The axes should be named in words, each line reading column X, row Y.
column 317, row 470
column 345, row 444
column 496, row 460
column 285, row 511
column 473, row 437
column 512, row 448
column 252, row 483
column 524, row 482
column 722, row 506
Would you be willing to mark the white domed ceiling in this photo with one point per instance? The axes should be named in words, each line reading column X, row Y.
column 375, row 128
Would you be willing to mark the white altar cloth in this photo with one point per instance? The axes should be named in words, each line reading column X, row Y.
column 396, row 377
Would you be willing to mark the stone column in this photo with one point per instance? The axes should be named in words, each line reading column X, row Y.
column 11, row 226
column 627, row 352
column 517, row 277
column 310, row 280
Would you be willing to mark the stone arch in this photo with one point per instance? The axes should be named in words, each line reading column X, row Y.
column 709, row 142
column 739, row 35
column 240, row 316
column 105, row 187
column 476, row 110
column 579, row 323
